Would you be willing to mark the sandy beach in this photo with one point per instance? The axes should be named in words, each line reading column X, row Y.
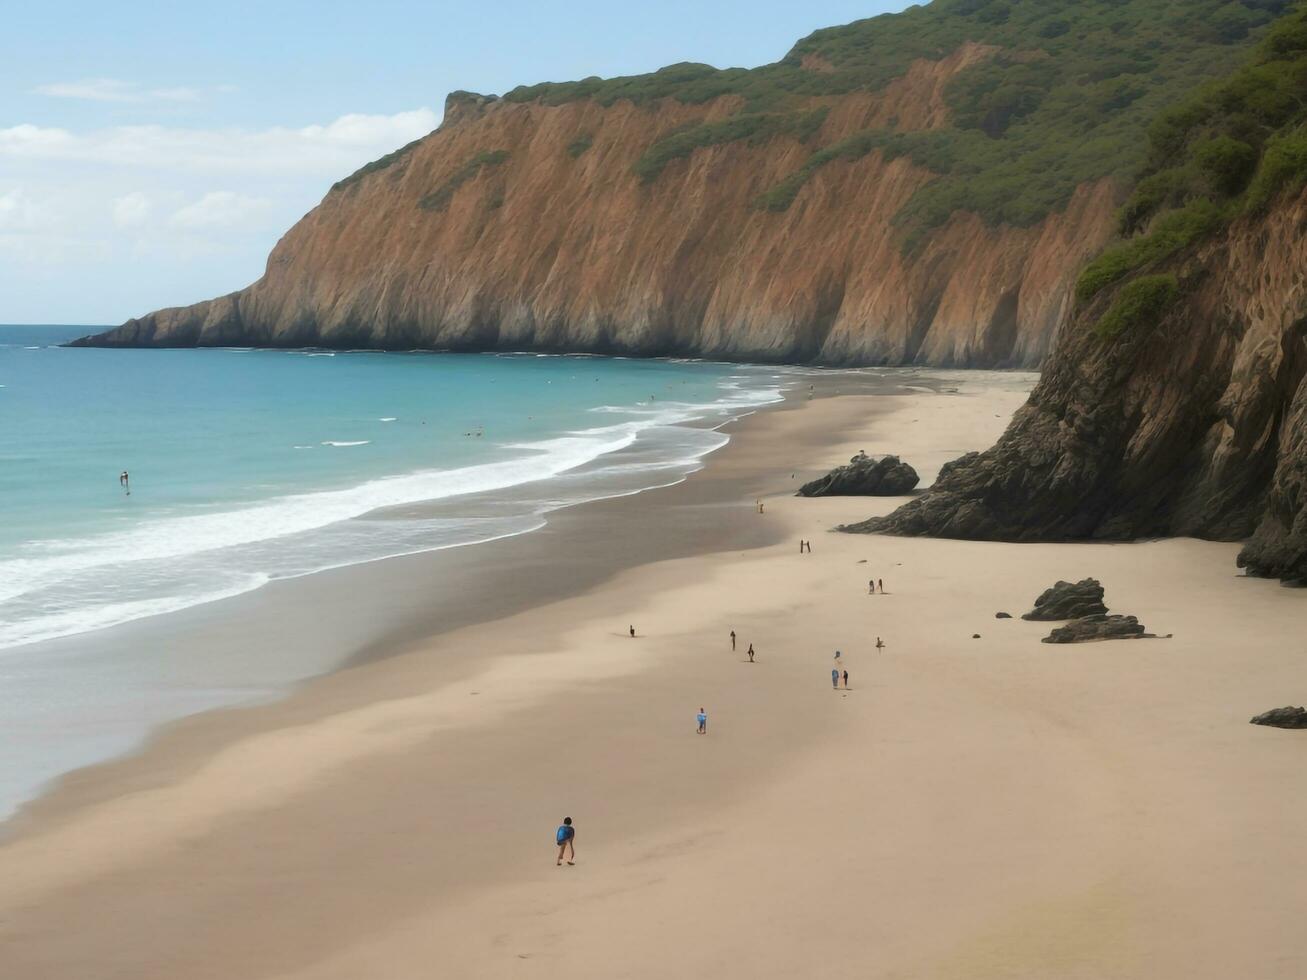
column 970, row 807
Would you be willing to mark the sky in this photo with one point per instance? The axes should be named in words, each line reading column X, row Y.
column 152, row 153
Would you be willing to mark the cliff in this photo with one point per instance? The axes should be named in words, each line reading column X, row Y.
column 1195, row 427
column 914, row 189
column 1176, row 402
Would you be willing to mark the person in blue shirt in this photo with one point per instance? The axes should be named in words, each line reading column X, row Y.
column 703, row 722
column 835, row 677
column 564, row 838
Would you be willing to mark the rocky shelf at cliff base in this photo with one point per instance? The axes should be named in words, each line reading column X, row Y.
column 864, row 476
column 1069, row 600
column 1287, row 717
column 1099, row 627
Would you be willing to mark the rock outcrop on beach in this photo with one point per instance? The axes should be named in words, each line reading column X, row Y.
column 918, row 188
column 1099, row 627
column 1069, row 600
column 1287, row 717
column 1176, row 403
column 864, row 476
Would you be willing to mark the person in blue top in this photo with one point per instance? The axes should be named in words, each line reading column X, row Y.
column 835, row 677
column 564, row 838
column 703, row 722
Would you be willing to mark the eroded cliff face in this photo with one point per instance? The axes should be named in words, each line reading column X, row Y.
column 554, row 243
column 1195, row 427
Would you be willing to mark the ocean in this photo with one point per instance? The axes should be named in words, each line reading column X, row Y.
column 249, row 466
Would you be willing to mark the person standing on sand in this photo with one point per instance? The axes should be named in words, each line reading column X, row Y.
column 633, row 631
column 880, row 583
column 732, row 641
column 880, row 644
column 564, row 839
column 834, row 678
column 702, row 718
column 750, row 653
column 871, row 586
column 846, row 680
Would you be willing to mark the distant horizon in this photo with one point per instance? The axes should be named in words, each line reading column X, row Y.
column 127, row 191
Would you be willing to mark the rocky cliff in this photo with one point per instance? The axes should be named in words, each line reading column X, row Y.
column 547, row 250
column 1197, row 426
column 918, row 188
column 1176, row 402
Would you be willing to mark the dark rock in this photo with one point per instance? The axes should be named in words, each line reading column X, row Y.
column 1068, row 600
column 1002, row 615
column 864, row 476
column 1100, row 627
column 1283, row 718
column 975, row 636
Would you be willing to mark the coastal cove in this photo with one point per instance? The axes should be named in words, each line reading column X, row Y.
column 426, row 566
column 987, row 806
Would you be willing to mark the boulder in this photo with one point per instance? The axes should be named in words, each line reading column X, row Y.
column 1069, row 600
column 1098, row 627
column 864, row 476
column 1002, row 615
column 1283, row 718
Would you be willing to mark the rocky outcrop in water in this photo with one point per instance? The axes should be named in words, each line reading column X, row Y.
column 1287, row 717
column 864, row 476
column 1100, row 627
column 1069, row 600
column 1197, row 426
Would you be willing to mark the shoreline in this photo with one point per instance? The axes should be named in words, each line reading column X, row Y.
column 371, row 610
column 968, row 808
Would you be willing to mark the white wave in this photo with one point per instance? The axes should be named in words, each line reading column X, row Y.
column 50, row 563
column 86, row 618
column 321, row 353
column 356, row 442
column 301, row 447
column 389, row 419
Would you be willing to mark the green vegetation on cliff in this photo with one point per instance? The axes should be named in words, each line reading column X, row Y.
column 1226, row 150
column 1065, row 97
column 1141, row 303
column 439, row 199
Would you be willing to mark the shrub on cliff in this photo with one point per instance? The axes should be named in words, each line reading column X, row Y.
column 1140, row 303
column 439, row 199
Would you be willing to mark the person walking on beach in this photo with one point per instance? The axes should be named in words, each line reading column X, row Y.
column 846, row 680
column 633, row 631
column 880, row 644
column 871, row 586
column 702, row 718
column 834, row 677
column 732, row 641
column 880, row 583
column 564, row 839
column 750, row 653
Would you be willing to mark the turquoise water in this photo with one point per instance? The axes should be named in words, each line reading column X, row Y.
column 247, row 466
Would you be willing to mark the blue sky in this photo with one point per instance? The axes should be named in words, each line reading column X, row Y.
column 152, row 153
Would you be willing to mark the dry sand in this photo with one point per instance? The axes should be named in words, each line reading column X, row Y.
column 986, row 808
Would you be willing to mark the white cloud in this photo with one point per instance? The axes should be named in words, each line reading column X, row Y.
column 333, row 149
column 28, row 140
column 116, row 90
column 143, row 217
column 18, row 212
column 131, row 210
column 219, row 209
